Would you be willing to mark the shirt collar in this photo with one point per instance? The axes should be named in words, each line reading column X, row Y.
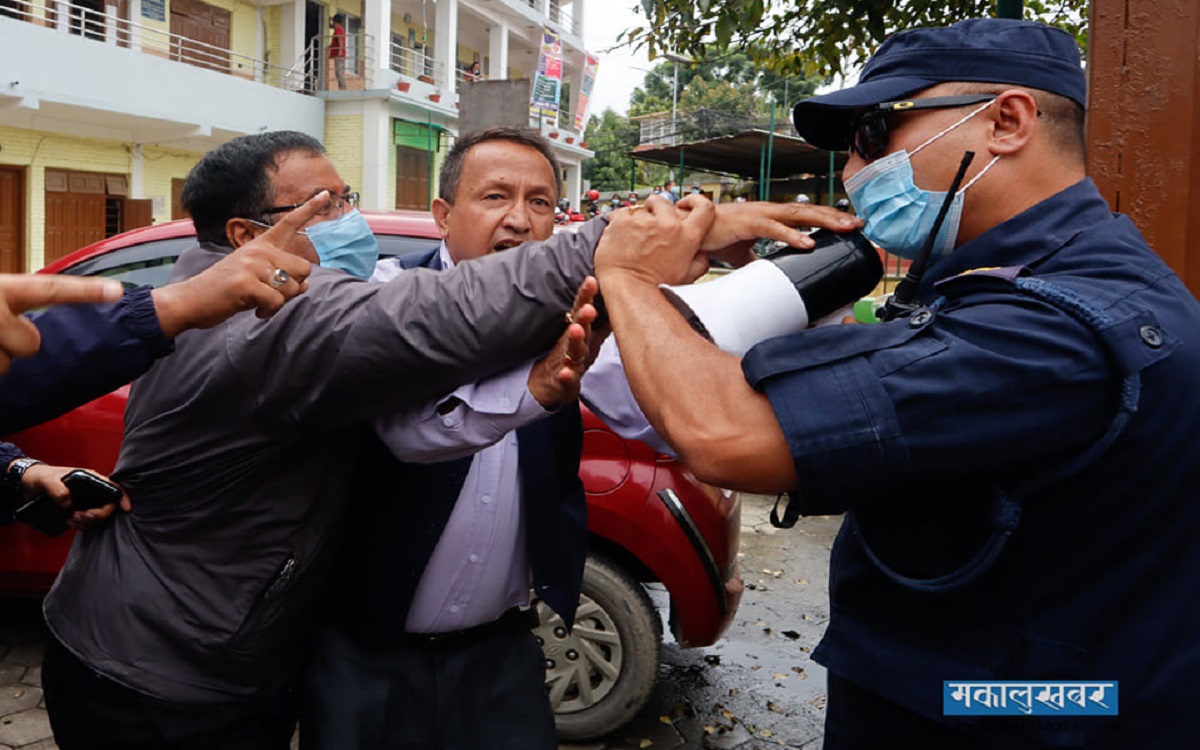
column 444, row 254
column 1030, row 236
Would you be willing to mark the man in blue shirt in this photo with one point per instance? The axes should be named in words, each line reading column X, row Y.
column 1015, row 457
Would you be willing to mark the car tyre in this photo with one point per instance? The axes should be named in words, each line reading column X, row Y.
column 602, row 673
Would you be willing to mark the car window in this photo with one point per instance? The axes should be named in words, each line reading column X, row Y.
column 150, row 263
column 395, row 245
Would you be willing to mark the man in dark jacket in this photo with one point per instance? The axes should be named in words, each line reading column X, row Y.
column 87, row 350
column 183, row 623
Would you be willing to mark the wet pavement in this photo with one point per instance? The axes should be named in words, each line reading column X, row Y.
column 756, row 689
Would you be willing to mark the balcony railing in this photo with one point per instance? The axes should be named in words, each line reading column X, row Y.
column 562, row 15
column 414, row 63
column 107, row 28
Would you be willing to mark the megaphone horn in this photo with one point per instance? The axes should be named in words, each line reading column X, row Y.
column 780, row 293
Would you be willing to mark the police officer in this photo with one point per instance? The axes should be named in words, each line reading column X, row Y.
column 1015, row 458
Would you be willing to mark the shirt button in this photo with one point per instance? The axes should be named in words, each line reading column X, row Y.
column 473, row 557
column 504, row 401
column 1152, row 336
column 455, row 608
column 485, row 499
column 447, row 421
column 920, row 318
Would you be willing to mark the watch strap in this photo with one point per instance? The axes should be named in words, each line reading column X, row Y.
column 16, row 470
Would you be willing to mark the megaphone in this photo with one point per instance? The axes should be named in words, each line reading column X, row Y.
column 781, row 292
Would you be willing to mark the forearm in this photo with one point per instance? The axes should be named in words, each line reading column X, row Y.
column 87, row 351
column 467, row 421
column 412, row 339
column 695, row 395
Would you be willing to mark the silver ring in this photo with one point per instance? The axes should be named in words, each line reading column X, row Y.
column 569, row 359
column 570, row 318
column 280, row 277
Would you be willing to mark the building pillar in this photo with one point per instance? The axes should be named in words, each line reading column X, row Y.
column 292, row 45
column 377, row 23
column 1143, row 130
column 377, row 142
column 445, row 44
column 135, row 34
column 573, row 186
column 498, row 51
column 136, row 173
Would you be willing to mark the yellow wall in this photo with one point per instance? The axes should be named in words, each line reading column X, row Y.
column 37, row 151
column 344, row 146
column 272, row 20
column 243, row 35
column 390, row 200
column 40, row 151
column 154, row 36
column 159, row 167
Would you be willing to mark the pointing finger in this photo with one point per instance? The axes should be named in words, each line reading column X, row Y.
column 282, row 231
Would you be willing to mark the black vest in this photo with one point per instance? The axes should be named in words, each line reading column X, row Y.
column 400, row 510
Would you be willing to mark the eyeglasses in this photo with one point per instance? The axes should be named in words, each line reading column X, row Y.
column 337, row 206
column 870, row 131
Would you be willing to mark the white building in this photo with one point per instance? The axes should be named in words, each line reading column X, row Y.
column 105, row 105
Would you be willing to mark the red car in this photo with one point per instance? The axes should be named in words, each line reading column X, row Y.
column 650, row 520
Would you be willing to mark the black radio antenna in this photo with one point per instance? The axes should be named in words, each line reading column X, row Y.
column 902, row 302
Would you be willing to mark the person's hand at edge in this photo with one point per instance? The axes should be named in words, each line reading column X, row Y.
column 655, row 242
column 555, row 378
column 18, row 293
column 259, row 276
column 46, row 479
column 738, row 226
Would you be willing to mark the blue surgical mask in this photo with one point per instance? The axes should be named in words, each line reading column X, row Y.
column 346, row 243
column 900, row 215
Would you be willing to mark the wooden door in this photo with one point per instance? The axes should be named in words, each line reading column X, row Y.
column 201, row 34
column 412, row 178
column 72, row 221
column 177, row 210
column 12, row 219
column 136, row 212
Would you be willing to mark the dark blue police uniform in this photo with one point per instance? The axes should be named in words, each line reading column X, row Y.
column 917, row 425
column 86, row 351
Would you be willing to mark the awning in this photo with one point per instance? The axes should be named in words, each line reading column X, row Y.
column 750, row 153
column 418, row 135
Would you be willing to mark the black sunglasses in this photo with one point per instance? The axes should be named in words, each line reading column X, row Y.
column 870, row 132
column 341, row 204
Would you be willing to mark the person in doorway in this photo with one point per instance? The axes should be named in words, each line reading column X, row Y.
column 337, row 49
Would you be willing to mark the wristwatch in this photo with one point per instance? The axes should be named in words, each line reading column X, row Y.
column 16, row 472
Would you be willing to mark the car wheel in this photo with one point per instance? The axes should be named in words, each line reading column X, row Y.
column 601, row 674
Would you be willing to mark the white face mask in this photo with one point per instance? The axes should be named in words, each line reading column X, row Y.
column 900, row 215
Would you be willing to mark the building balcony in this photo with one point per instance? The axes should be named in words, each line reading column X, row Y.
column 72, row 70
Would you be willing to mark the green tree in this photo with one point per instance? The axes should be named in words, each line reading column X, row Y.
column 719, row 96
column 611, row 137
column 814, row 37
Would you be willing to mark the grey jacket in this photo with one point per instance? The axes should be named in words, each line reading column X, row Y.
column 238, row 451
